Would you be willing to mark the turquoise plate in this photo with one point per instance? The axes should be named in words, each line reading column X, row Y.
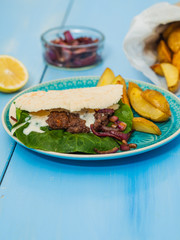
column 145, row 142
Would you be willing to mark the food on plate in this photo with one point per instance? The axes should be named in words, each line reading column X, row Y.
column 171, row 74
column 174, row 40
column 120, row 80
column 163, row 52
column 132, row 85
column 72, row 52
column 88, row 120
column 143, row 125
column 106, row 78
column 142, row 106
column 96, row 120
column 151, row 98
column 157, row 100
column 13, row 74
column 157, row 69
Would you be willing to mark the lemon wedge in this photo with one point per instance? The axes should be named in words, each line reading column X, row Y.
column 13, row 74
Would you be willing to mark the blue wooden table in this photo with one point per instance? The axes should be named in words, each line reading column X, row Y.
column 43, row 199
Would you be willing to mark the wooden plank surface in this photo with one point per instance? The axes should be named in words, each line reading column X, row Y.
column 113, row 18
column 42, row 198
column 20, row 37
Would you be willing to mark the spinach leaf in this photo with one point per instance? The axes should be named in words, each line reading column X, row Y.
column 64, row 142
column 21, row 116
column 125, row 114
column 18, row 113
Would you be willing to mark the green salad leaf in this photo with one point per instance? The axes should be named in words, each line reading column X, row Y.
column 65, row 142
column 21, row 117
column 125, row 114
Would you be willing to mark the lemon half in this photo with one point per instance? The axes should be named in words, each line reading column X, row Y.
column 13, row 74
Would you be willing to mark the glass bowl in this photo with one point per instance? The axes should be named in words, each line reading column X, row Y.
column 75, row 53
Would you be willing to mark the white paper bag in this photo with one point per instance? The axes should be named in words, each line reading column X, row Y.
column 146, row 27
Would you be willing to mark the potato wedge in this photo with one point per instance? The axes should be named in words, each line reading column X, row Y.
column 171, row 74
column 163, row 52
column 120, row 80
column 157, row 100
column 174, row 40
column 171, row 27
column 131, row 86
column 176, row 60
column 143, row 125
column 106, row 78
column 157, row 69
column 144, row 108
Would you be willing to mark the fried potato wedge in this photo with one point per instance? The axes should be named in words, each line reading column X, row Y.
column 171, row 74
column 171, row 27
column 120, row 80
column 106, row 78
column 163, row 52
column 157, row 100
column 157, row 69
column 131, row 86
column 174, row 40
column 144, row 108
column 176, row 60
column 143, row 125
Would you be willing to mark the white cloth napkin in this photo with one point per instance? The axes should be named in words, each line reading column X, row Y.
column 143, row 27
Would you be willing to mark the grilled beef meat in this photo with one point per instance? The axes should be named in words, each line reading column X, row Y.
column 71, row 122
column 102, row 118
column 58, row 120
column 76, row 124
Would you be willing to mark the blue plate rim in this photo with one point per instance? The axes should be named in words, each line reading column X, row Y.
column 93, row 157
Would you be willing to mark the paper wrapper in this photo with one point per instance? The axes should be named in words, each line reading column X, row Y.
column 141, row 41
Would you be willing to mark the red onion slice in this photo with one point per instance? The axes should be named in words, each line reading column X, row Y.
column 85, row 40
column 124, row 147
column 120, row 135
column 66, row 54
column 108, row 129
column 80, row 62
column 73, row 57
column 52, row 54
column 121, row 125
column 68, row 37
column 113, row 133
column 113, row 119
column 113, row 150
column 79, row 51
column 106, row 110
column 14, row 119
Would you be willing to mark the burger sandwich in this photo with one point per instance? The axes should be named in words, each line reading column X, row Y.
column 86, row 120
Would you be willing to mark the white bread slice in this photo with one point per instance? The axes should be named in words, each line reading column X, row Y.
column 71, row 99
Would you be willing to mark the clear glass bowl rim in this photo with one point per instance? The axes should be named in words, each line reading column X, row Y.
column 101, row 38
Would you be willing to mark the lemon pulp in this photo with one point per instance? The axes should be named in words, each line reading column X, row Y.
column 13, row 74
